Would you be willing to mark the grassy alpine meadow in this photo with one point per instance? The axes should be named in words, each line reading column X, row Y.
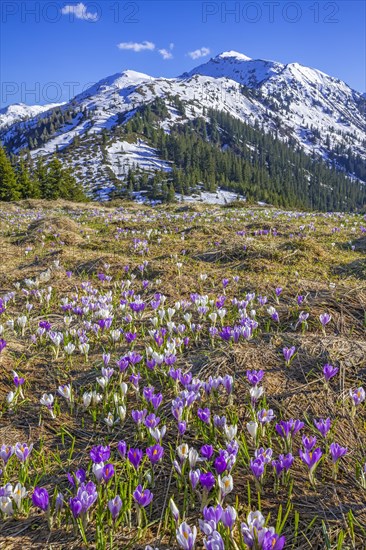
column 184, row 376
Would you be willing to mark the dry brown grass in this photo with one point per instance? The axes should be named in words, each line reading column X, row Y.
column 302, row 265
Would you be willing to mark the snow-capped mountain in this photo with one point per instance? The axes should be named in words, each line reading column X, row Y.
column 318, row 113
column 19, row 111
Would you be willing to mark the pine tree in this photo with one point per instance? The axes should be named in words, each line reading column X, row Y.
column 9, row 187
column 171, row 193
column 40, row 176
column 28, row 185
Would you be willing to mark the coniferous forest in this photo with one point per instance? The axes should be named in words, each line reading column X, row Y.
column 215, row 150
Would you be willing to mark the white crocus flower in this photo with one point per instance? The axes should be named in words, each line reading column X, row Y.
column 230, row 432
column 6, row 506
column 18, row 494
column 103, row 381
column 193, row 457
column 69, row 349
column 174, row 510
column 226, row 485
column 252, row 428
column 256, row 392
column 98, row 470
column 157, row 433
column 213, row 317
column 115, row 335
column 96, row 397
column 122, row 412
column 183, row 451
column 186, row 536
column 109, row 420
column 87, row 398
column 10, row 397
column 65, row 391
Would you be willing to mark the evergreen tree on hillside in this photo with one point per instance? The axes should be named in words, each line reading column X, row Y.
column 61, row 183
column 40, row 176
column 27, row 184
column 9, row 187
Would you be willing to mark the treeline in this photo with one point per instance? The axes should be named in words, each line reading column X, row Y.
column 220, row 150
column 33, row 135
column 24, row 179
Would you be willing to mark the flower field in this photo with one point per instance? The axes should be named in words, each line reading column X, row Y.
column 181, row 377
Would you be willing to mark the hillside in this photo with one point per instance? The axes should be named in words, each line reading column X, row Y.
column 301, row 107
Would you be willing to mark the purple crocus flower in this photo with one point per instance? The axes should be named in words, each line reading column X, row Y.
column 6, row 451
column 311, row 458
column 122, row 448
column 100, row 453
column 264, row 454
column 122, row 364
column 212, row 513
column 272, row 541
column 357, row 396
column 308, row 442
column 115, row 505
column 135, row 379
column 76, row 506
column 206, row 451
column 254, row 377
column 221, row 462
column 337, row 451
column 108, row 472
column 156, row 400
column 278, row 291
column 329, row 371
column 265, row 416
column 283, row 463
column 323, row 426
column 324, row 318
column 220, row 422
column 182, row 426
column 228, row 517
column 257, row 467
column 22, row 451
column 207, row 481
column 155, row 453
column 79, row 476
column 139, row 416
column 214, row 542
column 143, row 497
column 151, row 421
column 288, row 353
column 287, row 428
column 40, row 498
column 135, row 457
column 18, row 380
column 86, row 495
column 204, row 415
column 3, row 344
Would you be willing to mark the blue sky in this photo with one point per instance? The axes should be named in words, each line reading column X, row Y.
column 51, row 50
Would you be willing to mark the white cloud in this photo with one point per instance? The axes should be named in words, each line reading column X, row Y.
column 171, row 45
column 165, row 54
column 201, row 52
column 80, row 11
column 136, row 46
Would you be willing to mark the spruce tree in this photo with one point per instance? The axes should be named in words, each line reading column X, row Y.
column 9, row 187
column 28, row 185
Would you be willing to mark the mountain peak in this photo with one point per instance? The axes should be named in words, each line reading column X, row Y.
column 236, row 55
